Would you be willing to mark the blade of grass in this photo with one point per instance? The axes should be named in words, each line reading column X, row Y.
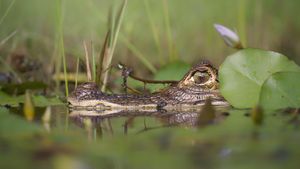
column 114, row 41
column 103, row 54
column 111, row 26
column 7, row 11
column 172, row 56
column 93, row 61
column 138, row 54
column 88, row 67
column 56, row 61
column 61, row 48
column 154, row 31
column 3, row 41
column 77, row 70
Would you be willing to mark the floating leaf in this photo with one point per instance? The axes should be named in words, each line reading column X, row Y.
column 9, row 100
column 281, row 90
column 172, row 71
column 243, row 74
column 42, row 101
column 39, row 100
column 22, row 87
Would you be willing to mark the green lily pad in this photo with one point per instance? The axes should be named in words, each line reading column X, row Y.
column 172, row 71
column 281, row 90
column 22, row 87
column 243, row 73
column 39, row 100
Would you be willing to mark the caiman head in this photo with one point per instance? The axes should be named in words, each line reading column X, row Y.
column 86, row 91
column 202, row 76
column 199, row 84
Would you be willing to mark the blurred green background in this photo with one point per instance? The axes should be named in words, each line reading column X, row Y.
column 183, row 29
column 160, row 32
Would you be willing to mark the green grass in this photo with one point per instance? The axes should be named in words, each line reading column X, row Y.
column 153, row 32
column 60, row 44
column 114, row 34
column 7, row 11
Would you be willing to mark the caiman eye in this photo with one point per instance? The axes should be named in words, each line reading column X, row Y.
column 201, row 77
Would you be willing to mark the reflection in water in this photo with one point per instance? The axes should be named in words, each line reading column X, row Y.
column 188, row 118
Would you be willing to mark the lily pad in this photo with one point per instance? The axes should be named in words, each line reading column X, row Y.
column 281, row 90
column 243, row 73
column 22, row 87
column 172, row 71
column 39, row 100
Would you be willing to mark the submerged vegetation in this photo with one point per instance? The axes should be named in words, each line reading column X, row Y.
column 47, row 48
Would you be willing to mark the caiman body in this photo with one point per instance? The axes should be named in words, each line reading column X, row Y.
column 198, row 85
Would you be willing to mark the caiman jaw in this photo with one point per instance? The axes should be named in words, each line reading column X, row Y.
column 105, row 105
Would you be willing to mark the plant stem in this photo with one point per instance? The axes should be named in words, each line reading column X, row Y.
column 114, row 42
column 172, row 56
column 7, row 10
column 154, row 32
column 138, row 54
column 61, row 49
column 242, row 21
column 88, row 68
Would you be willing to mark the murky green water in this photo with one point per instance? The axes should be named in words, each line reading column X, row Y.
column 89, row 139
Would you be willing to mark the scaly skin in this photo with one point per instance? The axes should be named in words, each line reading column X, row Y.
column 199, row 84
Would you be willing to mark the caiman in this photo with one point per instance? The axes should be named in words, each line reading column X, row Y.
column 199, row 84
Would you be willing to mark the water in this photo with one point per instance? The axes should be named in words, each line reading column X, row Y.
column 224, row 138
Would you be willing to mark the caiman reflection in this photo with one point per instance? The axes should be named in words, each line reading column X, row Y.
column 207, row 115
column 199, row 84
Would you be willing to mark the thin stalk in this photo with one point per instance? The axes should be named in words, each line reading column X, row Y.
column 138, row 54
column 153, row 81
column 77, row 70
column 7, row 11
column 111, row 26
column 114, row 41
column 64, row 64
column 93, row 62
column 61, row 48
column 154, row 31
column 81, row 77
column 88, row 67
column 242, row 11
column 57, row 63
column 103, row 54
column 3, row 41
column 172, row 57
